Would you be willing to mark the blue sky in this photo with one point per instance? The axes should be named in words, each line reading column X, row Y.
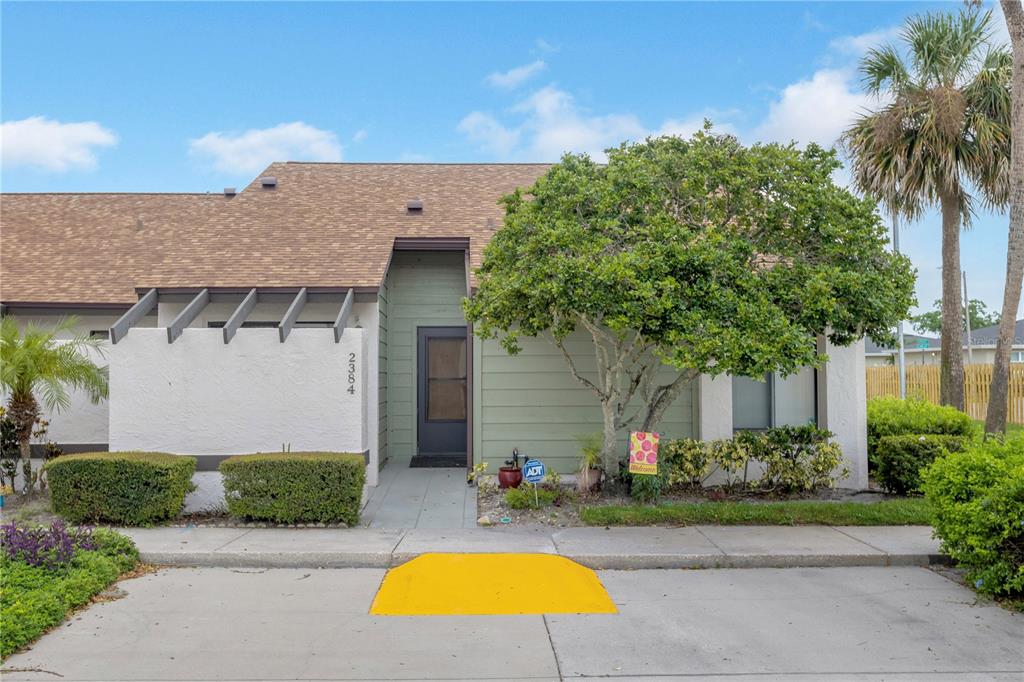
column 196, row 97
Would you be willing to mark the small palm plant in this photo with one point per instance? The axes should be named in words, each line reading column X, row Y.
column 36, row 366
column 940, row 137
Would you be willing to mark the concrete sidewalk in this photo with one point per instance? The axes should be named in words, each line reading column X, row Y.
column 598, row 548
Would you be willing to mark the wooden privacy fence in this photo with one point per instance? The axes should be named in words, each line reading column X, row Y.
column 923, row 382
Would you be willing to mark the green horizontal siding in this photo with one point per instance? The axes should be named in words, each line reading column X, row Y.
column 424, row 289
column 532, row 402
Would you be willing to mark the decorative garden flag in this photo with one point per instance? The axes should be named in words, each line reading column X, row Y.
column 643, row 452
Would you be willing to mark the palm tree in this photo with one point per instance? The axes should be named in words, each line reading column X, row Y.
column 998, row 393
column 36, row 362
column 940, row 132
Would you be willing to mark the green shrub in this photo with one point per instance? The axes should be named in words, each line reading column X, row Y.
column 33, row 598
column 895, row 417
column 795, row 458
column 130, row 488
column 978, row 499
column 792, row 458
column 523, row 497
column 687, row 460
column 899, row 459
column 295, row 487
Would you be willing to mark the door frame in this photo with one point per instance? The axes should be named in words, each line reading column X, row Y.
column 424, row 332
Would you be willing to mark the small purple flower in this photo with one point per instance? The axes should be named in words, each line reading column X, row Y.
column 49, row 548
column 978, row 583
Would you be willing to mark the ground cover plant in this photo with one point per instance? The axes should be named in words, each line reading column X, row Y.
column 914, row 511
column 46, row 572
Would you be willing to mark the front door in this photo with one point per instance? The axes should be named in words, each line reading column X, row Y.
column 441, row 390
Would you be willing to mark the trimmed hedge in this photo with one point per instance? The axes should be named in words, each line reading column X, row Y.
column 978, row 500
column 295, row 487
column 895, row 417
column 130, row 488
column 900, row 459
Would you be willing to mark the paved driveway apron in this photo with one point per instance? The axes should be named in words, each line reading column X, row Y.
column 289, row 624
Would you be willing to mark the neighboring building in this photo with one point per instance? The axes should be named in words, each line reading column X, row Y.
column 320, row 309
column 925, row 350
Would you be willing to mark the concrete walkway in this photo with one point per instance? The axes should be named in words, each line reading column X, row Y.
column 420, row 498
column 599, row 548
column 862, row 624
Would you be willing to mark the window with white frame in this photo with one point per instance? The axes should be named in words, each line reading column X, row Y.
column 1017, row 356
column 776, row 401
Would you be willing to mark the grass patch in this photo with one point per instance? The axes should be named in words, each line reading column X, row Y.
column 908, row 512
column 36, row 598
column 1010, row 428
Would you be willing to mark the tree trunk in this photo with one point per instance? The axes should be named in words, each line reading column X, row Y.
column 996, row 415
column 951, row 386
column 23, row 410
column 609, row 441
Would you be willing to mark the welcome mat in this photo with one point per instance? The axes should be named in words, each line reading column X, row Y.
column 438, row 462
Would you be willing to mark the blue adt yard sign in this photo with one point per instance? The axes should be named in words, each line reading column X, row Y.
column 533, row 471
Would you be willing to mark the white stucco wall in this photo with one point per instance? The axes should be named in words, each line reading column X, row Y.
column 715, row 407
column 200, row 396
column 842, row 406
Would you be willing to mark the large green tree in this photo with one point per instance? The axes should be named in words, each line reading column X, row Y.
column 37, row 366
column 941, row 131
column 980, row 316
column 701, row 255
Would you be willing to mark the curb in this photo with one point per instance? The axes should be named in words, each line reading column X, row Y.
column 620, row 562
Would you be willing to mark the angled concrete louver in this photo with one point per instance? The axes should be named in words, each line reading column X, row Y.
column 346, row 310
column 188, row 314
column 292, row 314
column 239, row 316
column 138, row 311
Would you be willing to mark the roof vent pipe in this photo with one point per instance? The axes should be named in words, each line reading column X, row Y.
column 229, row 191
column 414, row 205
column 268, row 181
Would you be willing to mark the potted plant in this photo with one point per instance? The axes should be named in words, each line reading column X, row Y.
column 589, row 477
column 510, row 475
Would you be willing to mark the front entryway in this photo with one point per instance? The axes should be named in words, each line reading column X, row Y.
column 441, row 396
column 420, row 498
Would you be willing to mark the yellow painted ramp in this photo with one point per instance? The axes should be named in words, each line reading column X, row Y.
column 490, row 585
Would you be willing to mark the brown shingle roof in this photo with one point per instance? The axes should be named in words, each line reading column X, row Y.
column 324, row 225
column 89, row 248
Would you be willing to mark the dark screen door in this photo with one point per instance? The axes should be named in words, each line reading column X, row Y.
column 441, row 390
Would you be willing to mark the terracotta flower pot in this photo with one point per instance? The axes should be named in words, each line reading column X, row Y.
column 510, row 477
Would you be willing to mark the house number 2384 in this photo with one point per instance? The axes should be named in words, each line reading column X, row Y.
column 351, row 373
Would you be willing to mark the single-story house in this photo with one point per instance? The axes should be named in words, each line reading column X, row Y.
column 926, row 350
column 320, row 309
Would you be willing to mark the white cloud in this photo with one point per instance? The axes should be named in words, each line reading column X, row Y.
column 359, row 135
column 817, row 109
column 51, row 145
column 513, row 78
column 858, row 45
column 488, row 133
column 550, row 123
column 253, row 150
column 544, row 46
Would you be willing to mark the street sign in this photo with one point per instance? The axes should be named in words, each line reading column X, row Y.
column 643, row 452
column 533, row 471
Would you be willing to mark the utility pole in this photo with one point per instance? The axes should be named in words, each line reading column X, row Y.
column 902, row 367
column 967, row 321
